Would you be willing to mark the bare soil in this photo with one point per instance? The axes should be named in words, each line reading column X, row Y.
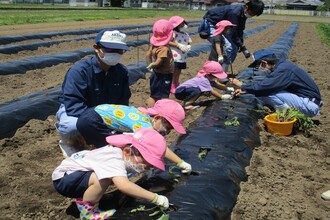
column 286, row 174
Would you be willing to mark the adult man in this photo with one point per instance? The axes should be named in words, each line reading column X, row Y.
column 236, row 14
column 285, row 85
column 100, row 79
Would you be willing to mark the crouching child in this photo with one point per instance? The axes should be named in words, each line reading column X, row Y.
column 87, row 174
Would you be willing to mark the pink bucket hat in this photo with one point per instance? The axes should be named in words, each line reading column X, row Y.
column 176, row 20
column 221, row 25
column 147, row 141
column 170, row 110
column 214, row 68
column 162, row 33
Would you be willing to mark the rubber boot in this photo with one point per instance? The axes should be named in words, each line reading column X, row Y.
column 91, row 211
column 173, row 87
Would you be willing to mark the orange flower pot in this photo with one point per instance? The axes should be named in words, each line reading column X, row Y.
column 276, row 127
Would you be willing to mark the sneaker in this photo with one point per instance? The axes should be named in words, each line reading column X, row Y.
column 190, row 106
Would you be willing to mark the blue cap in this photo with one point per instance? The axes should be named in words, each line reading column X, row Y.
column 260, row 55
column 112, row 39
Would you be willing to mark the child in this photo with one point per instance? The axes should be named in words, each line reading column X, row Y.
column 221, row 48
column 104, row 120
column 190, row 90
column 180, row 46
column 87, row 174
column 160, row 59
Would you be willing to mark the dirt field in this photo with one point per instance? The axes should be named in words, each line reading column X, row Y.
column 286, row 174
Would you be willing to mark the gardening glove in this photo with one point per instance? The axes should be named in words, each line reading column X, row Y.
column 184, row 166
column 220, row 59
column 150, row 67
column 184, row 48
column 230, row 89
column 245, row 51
column 226, row 97
column 161, row 201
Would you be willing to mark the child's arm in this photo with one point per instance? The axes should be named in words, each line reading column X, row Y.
column 215, row 93
column 218, row 49
column 182, row 47
column 173, row 44
column 149, row 55
column 171, row 156
column 131, row 189
column 159, row 61
column 222, row 97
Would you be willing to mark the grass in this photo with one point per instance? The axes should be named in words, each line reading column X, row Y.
column 324, row 31
column 47, row 14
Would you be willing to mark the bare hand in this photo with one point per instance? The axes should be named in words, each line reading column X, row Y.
column 239, row 92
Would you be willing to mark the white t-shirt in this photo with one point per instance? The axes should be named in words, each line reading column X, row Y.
column 182, row 38
column 106, row 162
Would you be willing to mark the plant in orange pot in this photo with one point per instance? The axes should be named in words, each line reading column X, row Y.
column 281, row 122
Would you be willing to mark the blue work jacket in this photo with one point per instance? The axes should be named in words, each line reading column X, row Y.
column 288, row 77
column 86, row 85
column 232, row 13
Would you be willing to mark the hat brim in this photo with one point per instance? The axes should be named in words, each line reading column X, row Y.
column 156, row 162
column 220, row 75
column 148, row 111
column 115, row 46
column 220, row 29
column 178, row 22
column 152, row 112
column 154, row 41
column 177, row 126
column 254, row 64
column 120, row 140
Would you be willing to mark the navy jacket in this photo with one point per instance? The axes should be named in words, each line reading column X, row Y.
column 87, row 85
column 285, row 76
column 232, row 13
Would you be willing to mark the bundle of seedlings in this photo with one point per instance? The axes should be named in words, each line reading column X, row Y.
column 303, row 122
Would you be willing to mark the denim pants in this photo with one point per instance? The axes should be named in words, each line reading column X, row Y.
column 284, row 99
column 66, row 125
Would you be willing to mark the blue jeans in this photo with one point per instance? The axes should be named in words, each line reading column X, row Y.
column 284, row 99
column 66, row 125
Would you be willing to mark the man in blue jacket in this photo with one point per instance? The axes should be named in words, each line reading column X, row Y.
column 285, row 85
column 100, row 79
column 236, row 14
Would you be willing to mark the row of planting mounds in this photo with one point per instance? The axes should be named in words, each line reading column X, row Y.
column 18, row 38
column 280, row 48
column 212, row 189
column 35, row 45
column 39, row 62
column 39, row 105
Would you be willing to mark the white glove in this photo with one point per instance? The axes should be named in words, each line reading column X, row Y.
column 226, row 97
column 230, row 89
column 220, row 59
column 184, row 166
column 150, row 66
column 161, row 201
column 184, row 48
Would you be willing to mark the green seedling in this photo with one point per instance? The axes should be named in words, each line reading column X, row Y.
column 303, row 122
column 142, row 208
column 232, row 122
column 202, row 153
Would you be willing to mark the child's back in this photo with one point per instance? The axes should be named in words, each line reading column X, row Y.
column 160, row 61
